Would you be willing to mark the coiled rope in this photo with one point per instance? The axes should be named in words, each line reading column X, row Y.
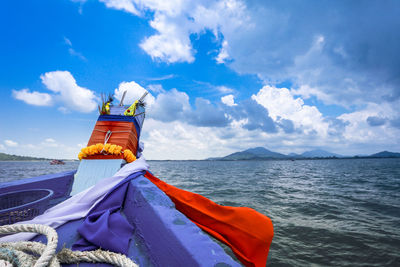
column 21, row 253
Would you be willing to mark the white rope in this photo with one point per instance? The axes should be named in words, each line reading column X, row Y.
column 50, row 233
column 20, row 253
column 106, row 138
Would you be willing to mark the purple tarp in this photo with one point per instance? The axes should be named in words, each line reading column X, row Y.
column 105, row 227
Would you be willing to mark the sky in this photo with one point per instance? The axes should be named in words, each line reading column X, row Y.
column 222, row 76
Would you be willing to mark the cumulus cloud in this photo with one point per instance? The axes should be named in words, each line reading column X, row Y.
column 33, row 98
column 10, row 143
column 68, row 92
column 359, row 130
column 207, row 115
column 175, row 21
column 228, row 100
column 254, row 116
column 175, row 105
column 170, row 106
column 125, row 5
column 281, row 104
column 156, row 88
column 172, row 44
column 333, row 59
column 268, row 111
column 325, row 53
column 65, row 90
column 286, row 125
column 133, row 92
column 179, row 140
column 223, row 54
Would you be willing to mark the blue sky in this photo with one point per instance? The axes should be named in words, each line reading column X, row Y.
column 223, row 75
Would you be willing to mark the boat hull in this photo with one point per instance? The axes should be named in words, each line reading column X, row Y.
column 162, row 235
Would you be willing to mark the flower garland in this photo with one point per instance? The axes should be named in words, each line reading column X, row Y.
column 107, row 149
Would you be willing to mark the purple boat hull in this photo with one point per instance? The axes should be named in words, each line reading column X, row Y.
column 162, row 235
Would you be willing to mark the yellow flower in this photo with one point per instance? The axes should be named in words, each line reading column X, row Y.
column 81, row 155
column 85, row 151
column 117, row 150
column 107, row 147
column 111, row 149
column 128, row 155
column 99, row 147
column 92, row 150
column 126, row 152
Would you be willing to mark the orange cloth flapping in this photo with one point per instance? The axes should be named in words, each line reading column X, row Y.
column 247, row 232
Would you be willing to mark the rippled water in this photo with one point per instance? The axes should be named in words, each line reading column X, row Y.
column 325, row 212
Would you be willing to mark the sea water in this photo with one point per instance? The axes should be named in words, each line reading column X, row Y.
column 343, row 212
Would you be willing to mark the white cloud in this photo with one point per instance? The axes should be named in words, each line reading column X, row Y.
column 68, row 92
column 48, row 148
column 278, row 44
column 223, row 89
column 73, row 52
column 133, row 92
column 223, row 54
column 33, row 98
column 125, row 5
column 156, row 88
column 10, row 143
column 228, row 100
column 172, row 44
column 177, row 140
column 2, row 147
column 169, row 106
column 280, row 103
column 358, row 130
column 50, row 142
column 175, row 21
column 67, row 41
column 161, row 78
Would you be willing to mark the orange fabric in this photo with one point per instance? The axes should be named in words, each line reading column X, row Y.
column 247, row 232
column 123, row 134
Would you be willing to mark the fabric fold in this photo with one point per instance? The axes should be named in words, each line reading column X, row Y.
column 105, row 227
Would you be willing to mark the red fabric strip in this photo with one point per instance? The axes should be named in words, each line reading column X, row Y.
column 247, row 232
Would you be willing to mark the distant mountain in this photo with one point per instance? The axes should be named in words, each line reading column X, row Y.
column 319, row 153
column 254, row 154
column 261, row 153
column 8, row 157
column 385, row 154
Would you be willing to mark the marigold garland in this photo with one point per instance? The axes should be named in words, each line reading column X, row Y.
column 109, row 149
